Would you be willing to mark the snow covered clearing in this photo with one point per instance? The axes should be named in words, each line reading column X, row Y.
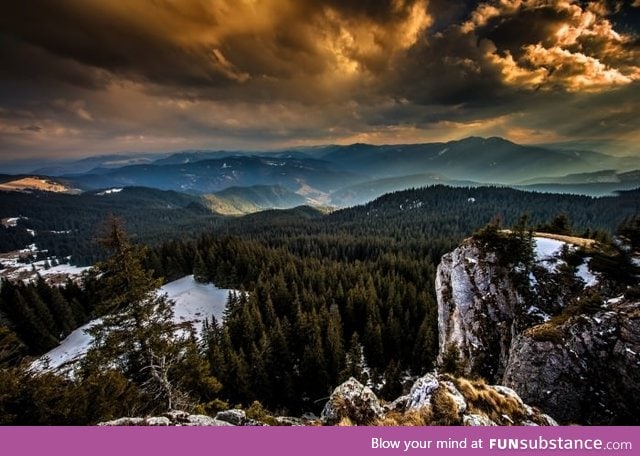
column 547, row 248
column 70, row 349
column 547, row 252
column 194, row 302
column 14, row 266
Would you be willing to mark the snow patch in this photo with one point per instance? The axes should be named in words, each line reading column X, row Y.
column 110, row 191
column 194, row 302
column 537, row 312
column 588, row 277
column 547, row 252
column 615, row 300
column 547, row 248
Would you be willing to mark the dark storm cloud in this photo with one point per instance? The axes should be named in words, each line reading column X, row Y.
column 93, row 75
column 196, row 42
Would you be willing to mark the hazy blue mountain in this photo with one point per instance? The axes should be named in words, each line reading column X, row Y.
column 598, row 183
column 607, row 175
column 192, row 156
column 346, row 175
column 247, row 200
column 101, row 161
column 308, row 176
column 370, row 190
column 487, row 160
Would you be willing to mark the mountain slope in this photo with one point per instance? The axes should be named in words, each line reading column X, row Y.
column 67, row 224
column 36, row 183
column 209, row 176
column 485, row 160
column 370, row 190
column 247, row 200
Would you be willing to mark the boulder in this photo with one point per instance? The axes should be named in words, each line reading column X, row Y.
column 236, row 417
column 352, row 401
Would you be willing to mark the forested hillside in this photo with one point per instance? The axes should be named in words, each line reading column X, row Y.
column 324, row 297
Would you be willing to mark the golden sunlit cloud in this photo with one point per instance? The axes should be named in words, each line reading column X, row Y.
column 94, row 76
column 583, row 52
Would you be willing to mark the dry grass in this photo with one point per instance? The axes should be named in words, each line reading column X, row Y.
column 355, row 411
column 574, row 240
column 483, row 400
column 422, row 417
column 34, row 183
column 345, row 421
column 444, row 409
column 577, row 241
column 547, row 332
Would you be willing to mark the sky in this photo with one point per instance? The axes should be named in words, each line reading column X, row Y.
column 87, row 77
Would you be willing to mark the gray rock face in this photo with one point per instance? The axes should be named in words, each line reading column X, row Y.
column 477, row 309
column 421, row 392
column 585, row 370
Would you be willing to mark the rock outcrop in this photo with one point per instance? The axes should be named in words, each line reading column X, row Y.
column 433, row 400
column 546, row 330
column 477, row 309
column 352, row 401
column 584, row 370
column 173, row 418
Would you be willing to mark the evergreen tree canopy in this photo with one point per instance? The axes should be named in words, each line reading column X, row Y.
column 138, row 336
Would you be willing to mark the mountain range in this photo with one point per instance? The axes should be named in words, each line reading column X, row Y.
column 236, row 183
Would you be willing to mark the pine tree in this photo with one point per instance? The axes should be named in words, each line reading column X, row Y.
column 200, row 273
column 137, row 333
column 355, row 363
column 334, row 344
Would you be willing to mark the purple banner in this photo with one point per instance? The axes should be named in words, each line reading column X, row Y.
column 312, row 441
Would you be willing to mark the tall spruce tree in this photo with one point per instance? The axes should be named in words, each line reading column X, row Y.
column 137, row 334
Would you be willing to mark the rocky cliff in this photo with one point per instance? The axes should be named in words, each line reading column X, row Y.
column 545, row 327
column 477, row 307
column 586, row 369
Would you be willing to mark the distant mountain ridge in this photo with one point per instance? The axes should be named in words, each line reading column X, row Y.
column 486, row 160
column 354, row 174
